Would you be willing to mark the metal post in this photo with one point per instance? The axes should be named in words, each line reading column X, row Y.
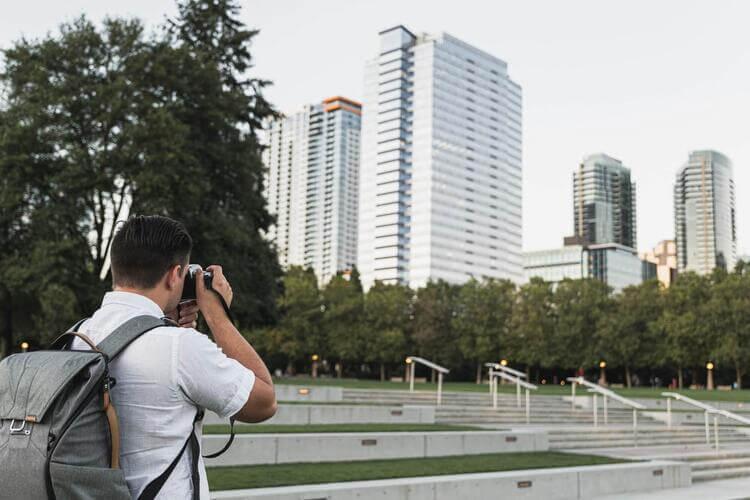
column 708, row 433
column 494, row 395
column 596, row 416
column 716, row 432
column 605, row 409
column 528, row 407
column 635, row 427
column 492, row 380
column 573, row 397
column 669, row 413
column 518, row 394
column 440, row 388
column 411, row 376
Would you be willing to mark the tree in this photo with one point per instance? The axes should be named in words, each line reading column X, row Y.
column 580, row 306
column 298, row 333
column 433, row 316
column 482, row 318
column 688, row 333
column 342, row 321
column 728, row 311
column 99, row 121
column 530, row 339
column 387, row 324
column 629, row 335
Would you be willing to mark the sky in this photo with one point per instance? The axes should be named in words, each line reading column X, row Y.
column 643, row 81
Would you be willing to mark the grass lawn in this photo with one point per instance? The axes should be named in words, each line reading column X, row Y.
column 319, row 428
column 548, row 390
column 258, row 476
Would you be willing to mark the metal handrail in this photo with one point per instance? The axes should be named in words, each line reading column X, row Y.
column 519, row 383
column 606, row 392
column 413, row 360
column 506, row 369
column 708, row 410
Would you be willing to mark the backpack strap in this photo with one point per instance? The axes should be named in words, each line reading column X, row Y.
column 152, row 489
column 125, row 334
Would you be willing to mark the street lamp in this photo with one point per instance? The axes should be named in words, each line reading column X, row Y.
column 315, row 359
column 24, row 346
column 602, row 372
column 503, row 362
column 710, row 376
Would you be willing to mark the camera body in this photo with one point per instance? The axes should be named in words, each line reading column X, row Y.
column 189, row 290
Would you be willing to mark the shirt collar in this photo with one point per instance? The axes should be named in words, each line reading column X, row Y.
column 133, row 300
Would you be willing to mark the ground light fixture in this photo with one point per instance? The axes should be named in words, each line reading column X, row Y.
column 503, row 362
column 24, row 346
column 710, row 376
column 314, row 359
column 602, row 372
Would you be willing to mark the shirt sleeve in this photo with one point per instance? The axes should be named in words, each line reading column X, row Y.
column 209, row 378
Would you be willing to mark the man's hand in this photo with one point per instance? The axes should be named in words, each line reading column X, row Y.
column 208, row 302
column 186, row 314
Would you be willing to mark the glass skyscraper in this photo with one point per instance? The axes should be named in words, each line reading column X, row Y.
column 604, row 202
column 312, row 186
column 440, row 190
column 705, row 213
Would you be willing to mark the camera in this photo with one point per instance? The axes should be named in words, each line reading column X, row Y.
column 189, row 290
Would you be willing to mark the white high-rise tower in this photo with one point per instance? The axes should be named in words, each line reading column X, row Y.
column 440, row 182
column 312, row 185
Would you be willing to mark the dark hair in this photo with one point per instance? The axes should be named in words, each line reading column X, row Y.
column 145, row 247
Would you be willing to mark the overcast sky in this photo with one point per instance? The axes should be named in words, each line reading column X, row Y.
column 643, row 81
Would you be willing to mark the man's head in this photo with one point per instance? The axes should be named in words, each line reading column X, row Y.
column 150, row 254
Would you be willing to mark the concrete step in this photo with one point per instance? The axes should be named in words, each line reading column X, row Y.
column 728, row 463
column 623, row 443
column 713, row 475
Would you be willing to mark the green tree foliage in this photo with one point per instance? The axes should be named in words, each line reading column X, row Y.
column 98, row 117
column 482, row 319
column 387, row 322
column 580, row 307
column 728, row 312
column 629, row 336
column 532, row 325
column 433, row 318
column 342, row 322
column 688, row 332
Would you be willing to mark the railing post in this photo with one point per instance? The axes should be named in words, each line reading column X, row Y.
column 708, row 433
column 606, row 420
column 596, row 413
column 494, row 395
column 518, row 394
column 440, row 388
column 492, row 381
column 669, row 413
column 411, row 377
column 528, row 407
column 716, row 432
column 573, row 397
column 635, row 427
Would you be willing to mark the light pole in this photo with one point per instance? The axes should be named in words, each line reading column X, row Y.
column 602, row 372
column 24, row 346
column 710, row 376
column 315, row 359
column 503, row 362
column 410, row 373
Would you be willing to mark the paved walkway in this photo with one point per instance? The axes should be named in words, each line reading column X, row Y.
column 728, row 489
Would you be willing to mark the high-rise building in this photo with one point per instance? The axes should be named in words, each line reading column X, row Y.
column 664, row 257
column 312, row 186
column 440, row 189
column 705, row 213
column 604, row 202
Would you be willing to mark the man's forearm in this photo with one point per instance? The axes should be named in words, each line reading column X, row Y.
column 235, row 346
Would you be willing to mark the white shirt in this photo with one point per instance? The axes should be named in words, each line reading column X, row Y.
column 161, row 380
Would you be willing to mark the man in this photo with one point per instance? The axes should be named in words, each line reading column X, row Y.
column 169, row 373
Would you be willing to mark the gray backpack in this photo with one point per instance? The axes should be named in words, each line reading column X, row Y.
column 59, row 436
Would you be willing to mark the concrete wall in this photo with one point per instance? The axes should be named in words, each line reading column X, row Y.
column 252, row 449
column 343, row 414
column 308, row 393
column 548, row 484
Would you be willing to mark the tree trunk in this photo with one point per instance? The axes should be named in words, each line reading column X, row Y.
column 339, row 369
column 6, row 340
column 694, row 377
column 738, row 372
column 382, row 372
column 627, row 376
column 432, row 376
column 289, row 368
column 679, row 378
column 537, row 374
column 479, row 372
column 528, row 372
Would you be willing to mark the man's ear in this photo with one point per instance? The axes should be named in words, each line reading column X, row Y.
column 173, row 276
